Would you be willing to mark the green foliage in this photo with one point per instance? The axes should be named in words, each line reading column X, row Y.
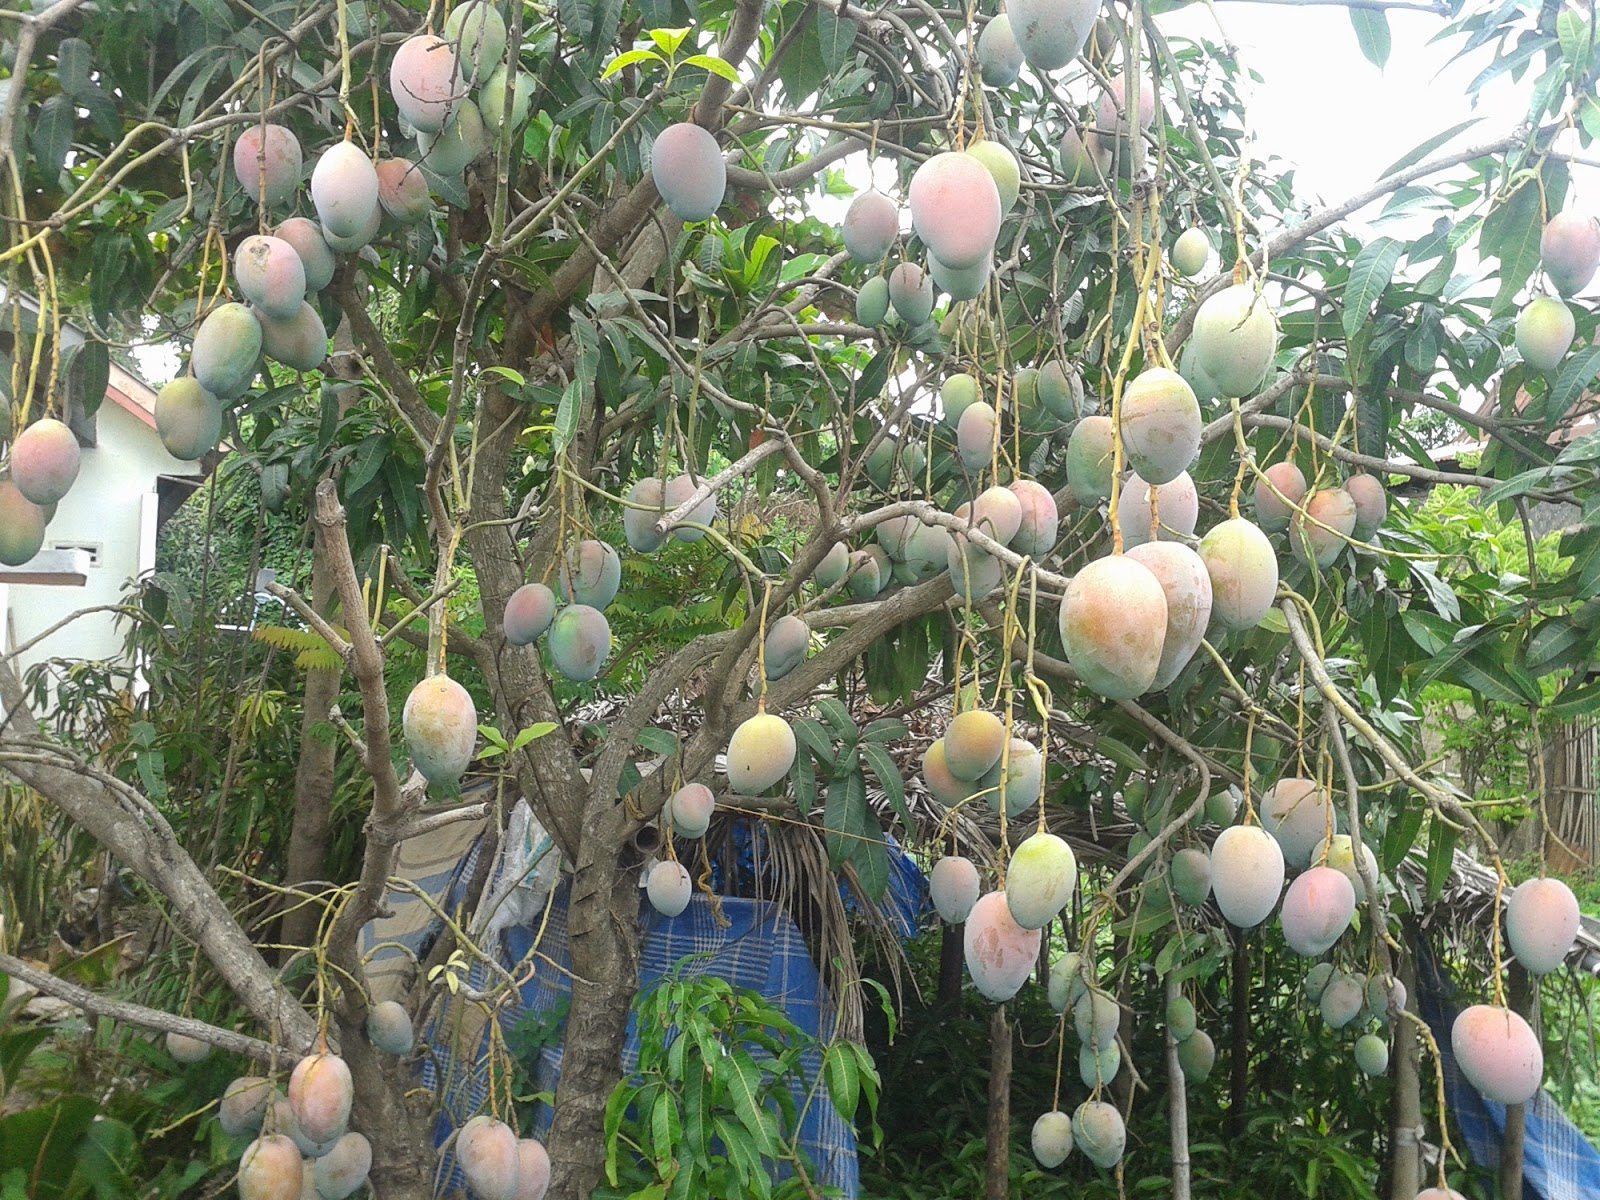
column 66, row 1134
column 833, row 759
column 218, row 540
column 710, row 1110
column 43, row 860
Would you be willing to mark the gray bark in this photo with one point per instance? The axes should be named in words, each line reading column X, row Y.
column 1177, row 1106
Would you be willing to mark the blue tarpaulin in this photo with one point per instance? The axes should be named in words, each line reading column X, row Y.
column 755, row 945
column 1558, row 1161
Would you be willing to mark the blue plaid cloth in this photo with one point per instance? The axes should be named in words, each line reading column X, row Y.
column 756, row 945
column 761, row 949
column 1558, row 1161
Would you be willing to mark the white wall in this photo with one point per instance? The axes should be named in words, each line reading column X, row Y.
column 112, row 506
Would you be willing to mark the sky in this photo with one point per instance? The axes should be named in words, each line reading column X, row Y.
column 1323, row 106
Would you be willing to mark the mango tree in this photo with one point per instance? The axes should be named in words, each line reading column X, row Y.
column 1094, row 422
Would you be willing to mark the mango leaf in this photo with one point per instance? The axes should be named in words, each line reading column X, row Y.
column 73, row 62
column 1517, row 246
column 658, row 741
column 714, row 65
column 1527, row 481
column 875, row 374
column 507, row 373
column 813, row 737
column 838, row 718
column 668, row 40
column 844, row 817
column 840, row 1073
column 871, row 861
column 892, row 729
column 696, row 1102
column 1401, row 834
column 883, row 766
column 43, row 1142
column 804, row 780
column 742, row 1078
column 1577, row 374
column 88, row 377
column 1576, row 702
column 1582, row 450
column 666, row 1128
column 1556, row 644
column 1370, row 274
column 51, row 138
column 631, row 58
column 1120, row 753
column 1441, row 853
column 1372, row 34
column 1426, row 148
column 1575, row 35
column 836, row 36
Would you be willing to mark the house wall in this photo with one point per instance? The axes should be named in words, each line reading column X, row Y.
column 111, row 507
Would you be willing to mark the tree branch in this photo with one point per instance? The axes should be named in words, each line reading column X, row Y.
column 146, row 1018
column 1330, row 215
column 711, row 486
column 1381, row 465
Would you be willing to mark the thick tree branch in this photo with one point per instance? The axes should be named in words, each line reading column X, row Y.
column 781, row 181
column 391, row 805
column 147, row 1018
column 664, row 680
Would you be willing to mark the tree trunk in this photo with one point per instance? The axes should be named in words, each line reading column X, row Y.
column 313, row 780
column 603, row 927
column 997, row 1171
column 404, row 1161
column 1405, row 1108
column 1239, row 1053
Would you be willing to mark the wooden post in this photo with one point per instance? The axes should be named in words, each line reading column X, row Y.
column 1177, row 1104
column 1405, row 1104
column 998, row 1167
column 1522, row 994
column 1239, row 1054
column 951, row 960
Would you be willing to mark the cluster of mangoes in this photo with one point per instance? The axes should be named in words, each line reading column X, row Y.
column 305, row 1150
column 42, row 467
column 303, row 1145
column 453, row 93
column 1569, row 251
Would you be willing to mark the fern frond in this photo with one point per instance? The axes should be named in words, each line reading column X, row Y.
column 312, row 652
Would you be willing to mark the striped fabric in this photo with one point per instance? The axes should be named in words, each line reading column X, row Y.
column 440, row 864
column 756, row 946
column 1558, row 1161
